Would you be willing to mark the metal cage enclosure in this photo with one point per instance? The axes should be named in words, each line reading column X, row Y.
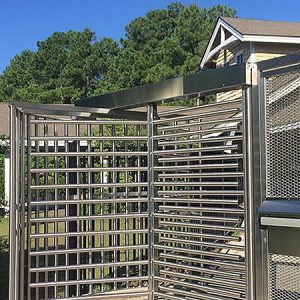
column 122, row 197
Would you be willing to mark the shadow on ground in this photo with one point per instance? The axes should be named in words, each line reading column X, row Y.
column 4, row 261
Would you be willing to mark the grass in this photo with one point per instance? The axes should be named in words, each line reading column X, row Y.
column 4, row 227
column 4, row 258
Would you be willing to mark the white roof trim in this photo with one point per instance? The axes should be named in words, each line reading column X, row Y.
column 271, row 39
column 219, row 24
column 243, row 38
column 218, row 48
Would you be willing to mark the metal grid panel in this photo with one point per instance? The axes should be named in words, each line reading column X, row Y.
column 283, row 135
column 198, row 213
column 284, row 277
column 88, row 220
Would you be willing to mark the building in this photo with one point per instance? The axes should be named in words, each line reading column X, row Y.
column 235, row 40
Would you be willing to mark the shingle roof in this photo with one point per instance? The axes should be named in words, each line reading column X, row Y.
column 260, row 27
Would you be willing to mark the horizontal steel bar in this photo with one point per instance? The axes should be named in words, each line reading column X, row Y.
column 203, row 82
column 200, row 200
column 94, row 153
column 202, row 243
column 168, row 297
column 201, row 166
column 94, row 217
column 202, row 175
column 198, row 235
column 86, row 233
column 198, row 115
column 88, row 281
column 88, row 201
column 184, row 293
column 88, row 122
column 87, row 185
column 203, row 209
column 89, row 138
column 280, row 222
column 229, row 283
column 103, row 169
column 197, row 252
column 202, row 192
column 201, row 226
column 202, row 157
column 84, row 250
column 197, row 184
column 89, row 266
column 199, row 124
column 111, row 295
column 222, row 273
column 195, row 132
column 196, row 217
column 195, row 149
column 202, row 140
column 200, row 108
column 279, row 71
column 206, row 288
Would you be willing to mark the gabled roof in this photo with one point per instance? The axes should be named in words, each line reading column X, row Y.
column 261, row 27
column 228, row 30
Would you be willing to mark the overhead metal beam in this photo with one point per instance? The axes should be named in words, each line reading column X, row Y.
column 77, row 111
column 202, row 83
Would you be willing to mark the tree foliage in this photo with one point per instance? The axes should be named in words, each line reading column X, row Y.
column 165, row 43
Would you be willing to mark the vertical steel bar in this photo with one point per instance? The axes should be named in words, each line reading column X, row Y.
column 12, row 210
column 262, row 285
column 18, row 190
column 22, row 204
column 151, row 132
column 249, row 222
column 29, row 208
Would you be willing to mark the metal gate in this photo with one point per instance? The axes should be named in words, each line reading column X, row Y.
column 87, row 209
column 198, row 173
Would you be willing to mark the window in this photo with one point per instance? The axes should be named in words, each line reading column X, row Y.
column 226, row 61
column 239, row 57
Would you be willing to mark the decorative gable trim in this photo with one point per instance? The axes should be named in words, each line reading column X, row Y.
column 210, row 51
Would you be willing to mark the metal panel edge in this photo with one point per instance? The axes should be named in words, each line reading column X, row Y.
column 203, row 82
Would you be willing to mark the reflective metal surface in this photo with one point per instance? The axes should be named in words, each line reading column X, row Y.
column 161, row 205
column 199, row 248
column 201, row 83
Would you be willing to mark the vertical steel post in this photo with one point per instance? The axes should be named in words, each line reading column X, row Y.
column 29, row 207
column 253, row 145
column 151, row 117
column 12, row 209
column 22, row 204
column 249, row 213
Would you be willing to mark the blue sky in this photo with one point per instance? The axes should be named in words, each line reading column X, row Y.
column 23, row 22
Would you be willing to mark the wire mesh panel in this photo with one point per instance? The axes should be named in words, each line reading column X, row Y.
column 87, row 208
column 284, row 279
column 198, row 195
column 283, row 135
column 283, row 176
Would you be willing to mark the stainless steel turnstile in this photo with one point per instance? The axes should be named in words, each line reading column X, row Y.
column 121, row 197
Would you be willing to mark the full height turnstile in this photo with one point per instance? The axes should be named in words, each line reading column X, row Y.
column 121, row 197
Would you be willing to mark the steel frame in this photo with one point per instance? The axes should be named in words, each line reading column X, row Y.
column 180, row 230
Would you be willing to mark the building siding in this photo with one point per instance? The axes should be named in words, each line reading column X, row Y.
column 266, row 51
column 230, row 51
column 263, row 51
